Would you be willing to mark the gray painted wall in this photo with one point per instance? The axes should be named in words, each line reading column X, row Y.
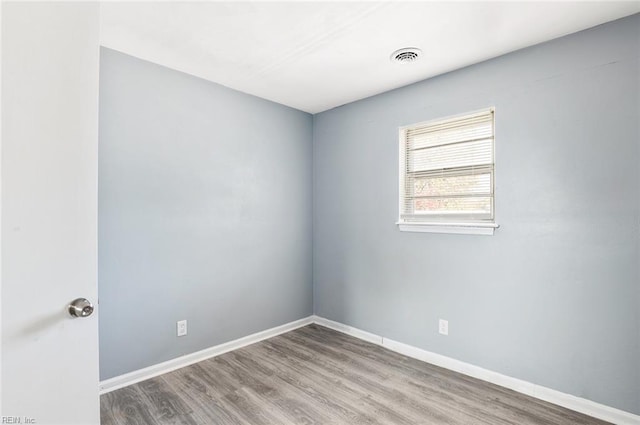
column 204, row 214
column 553, row 298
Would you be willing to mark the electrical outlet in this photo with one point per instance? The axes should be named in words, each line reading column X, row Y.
column 443, row 327
column 181, row 327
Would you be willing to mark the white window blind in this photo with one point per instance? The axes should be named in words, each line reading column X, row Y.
column 446, row 170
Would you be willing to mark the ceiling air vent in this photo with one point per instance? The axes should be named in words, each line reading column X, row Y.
column 406, row 55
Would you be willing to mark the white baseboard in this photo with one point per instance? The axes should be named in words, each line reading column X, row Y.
column 189, row 359
column 569, row 401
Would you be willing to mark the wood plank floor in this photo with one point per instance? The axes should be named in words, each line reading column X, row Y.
column 314, row 375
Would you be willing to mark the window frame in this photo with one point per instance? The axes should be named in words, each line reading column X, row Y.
column 440, row 224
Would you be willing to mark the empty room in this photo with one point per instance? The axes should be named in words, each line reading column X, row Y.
column 309, row 212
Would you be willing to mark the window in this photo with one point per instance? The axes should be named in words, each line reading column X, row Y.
column 447, row 175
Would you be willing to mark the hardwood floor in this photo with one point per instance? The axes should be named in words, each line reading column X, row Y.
column 314, row 375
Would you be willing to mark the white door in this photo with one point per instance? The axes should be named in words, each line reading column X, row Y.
column 50, row 58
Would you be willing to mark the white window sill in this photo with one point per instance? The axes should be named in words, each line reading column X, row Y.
column 455, row 228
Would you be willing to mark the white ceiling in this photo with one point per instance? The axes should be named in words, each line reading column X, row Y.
column 314, row 56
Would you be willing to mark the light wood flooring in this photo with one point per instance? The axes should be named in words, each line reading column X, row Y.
column 314, row 375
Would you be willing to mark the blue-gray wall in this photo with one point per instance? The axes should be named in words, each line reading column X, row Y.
column 204, row 214
column 554, row 297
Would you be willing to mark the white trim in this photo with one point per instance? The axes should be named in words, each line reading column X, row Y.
column 349, row 330
column 130, row 378
column 568, row 401
column 466, row 227
column 402, row 134
column 451, row 118
column 455, row 228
